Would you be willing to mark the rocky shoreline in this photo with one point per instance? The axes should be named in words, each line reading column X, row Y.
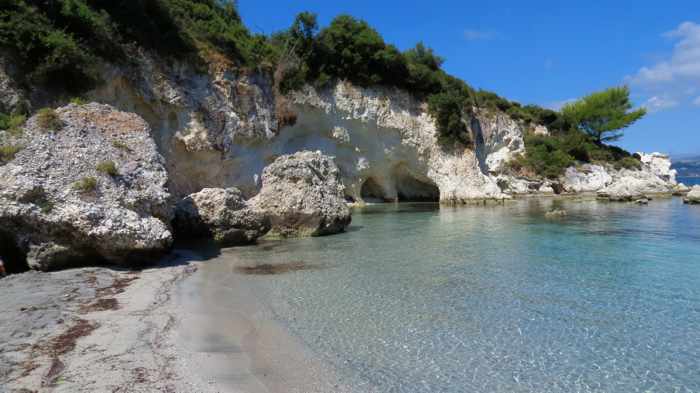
column 118, row 184
column 89, row 184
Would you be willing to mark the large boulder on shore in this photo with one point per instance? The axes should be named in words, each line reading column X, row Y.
column 303, row 195
column 87, row 186
column 693, row 196
column 219, row 214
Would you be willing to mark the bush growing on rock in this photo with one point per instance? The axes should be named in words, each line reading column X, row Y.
column 47, row 119
column 447, row 110
column 628, row 163
column 550, row 155
column 85, row 185
column 108, row 168
column 78, row 101
column 121, row 145
column 8, row 152
column 12, row 123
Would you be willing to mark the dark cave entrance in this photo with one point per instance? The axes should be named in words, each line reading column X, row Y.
column 372, row 191
column 410, row 189
column 14, row 260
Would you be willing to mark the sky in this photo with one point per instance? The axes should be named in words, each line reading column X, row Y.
column 546, row 52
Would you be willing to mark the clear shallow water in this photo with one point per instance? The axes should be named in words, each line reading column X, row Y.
column 494, row 299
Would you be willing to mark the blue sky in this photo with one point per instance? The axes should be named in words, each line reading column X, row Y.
column 546, row 52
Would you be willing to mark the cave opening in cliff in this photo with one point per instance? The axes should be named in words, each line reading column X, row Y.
column 14, row 260
column 409, row 188
column 371, row 191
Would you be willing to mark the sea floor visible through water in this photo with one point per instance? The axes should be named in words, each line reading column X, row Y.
column 423, row 298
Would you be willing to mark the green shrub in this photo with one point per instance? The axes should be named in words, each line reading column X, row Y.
column 121, row 145
column 47, row 54
column 545, row 156
column 57, row 43
column 47, row 119
column 85, row 185
column 38, row 196
column 628, row 163
column 447, row 110
column 78, row 101
column 549, row 156
column 8, row 152
column 12, row 123
column 108, row 168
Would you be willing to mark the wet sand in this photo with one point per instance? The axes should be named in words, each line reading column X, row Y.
column 231, row 334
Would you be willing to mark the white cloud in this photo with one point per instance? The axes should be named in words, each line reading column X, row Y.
column 659, row 103
column 675, row 79
column 478, row 35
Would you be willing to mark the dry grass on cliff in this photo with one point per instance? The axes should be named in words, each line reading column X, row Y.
column 48, row 120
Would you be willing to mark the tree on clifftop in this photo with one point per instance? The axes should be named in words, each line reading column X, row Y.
column 604, row 114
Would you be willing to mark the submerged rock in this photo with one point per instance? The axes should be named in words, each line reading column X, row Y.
column 693, row 196
column 303, row 196
column 220, row 214
column 556, row 213
column 88, row 188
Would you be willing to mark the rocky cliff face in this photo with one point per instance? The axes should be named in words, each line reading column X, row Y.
column 222, row 129
column 217, row 128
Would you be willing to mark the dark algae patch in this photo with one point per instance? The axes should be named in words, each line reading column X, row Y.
column 100, row 305
column 277, row 268
column 66, row 341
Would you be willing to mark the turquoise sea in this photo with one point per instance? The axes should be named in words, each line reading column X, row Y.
column 422, row 298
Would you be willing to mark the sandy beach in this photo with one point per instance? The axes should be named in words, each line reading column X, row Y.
column 107, row 330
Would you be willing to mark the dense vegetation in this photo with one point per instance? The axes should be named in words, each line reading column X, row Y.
column 549, row 156
column 350, row 49
column 59, row 44
column 592, row 120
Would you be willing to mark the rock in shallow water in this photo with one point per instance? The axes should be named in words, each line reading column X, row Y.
column 220, row 214
column 303, row 196
column 693, row 196
column 118, row 217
